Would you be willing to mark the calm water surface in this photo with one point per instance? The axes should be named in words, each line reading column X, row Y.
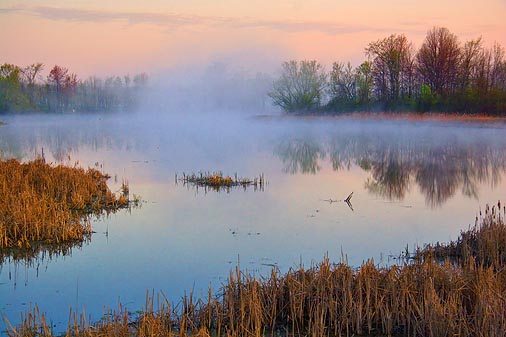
column 413, row 183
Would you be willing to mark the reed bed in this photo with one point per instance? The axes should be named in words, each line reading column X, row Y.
column 422, row 298
column 217, row 181
column 51, row 204
column 484, row 243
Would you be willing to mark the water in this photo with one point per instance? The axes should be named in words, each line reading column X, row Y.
column 413, row 182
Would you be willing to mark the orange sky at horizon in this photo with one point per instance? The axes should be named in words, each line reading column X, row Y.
column 118, row 37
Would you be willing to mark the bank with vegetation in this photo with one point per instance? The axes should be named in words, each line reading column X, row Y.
column 43, row 203
column 25, row 89
column 454, row 289
column 444, row 75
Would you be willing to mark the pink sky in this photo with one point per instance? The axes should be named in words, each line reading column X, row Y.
column 119, row 37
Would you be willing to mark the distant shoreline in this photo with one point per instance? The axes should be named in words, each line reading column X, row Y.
column 401, row 116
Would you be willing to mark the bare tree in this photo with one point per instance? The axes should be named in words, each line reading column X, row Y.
column 468, row 62
column 498, row 68
column 69, row 87
column 391, row 63
column 438, row 60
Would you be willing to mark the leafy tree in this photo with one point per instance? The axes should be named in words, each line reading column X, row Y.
column 342, row 86
column 365, row 83
column 63, row 85
column 300, row 86
column 427, row 98
column 56, row 80
column 12, row 97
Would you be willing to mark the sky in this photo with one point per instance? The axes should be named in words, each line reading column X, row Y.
column 117, row 37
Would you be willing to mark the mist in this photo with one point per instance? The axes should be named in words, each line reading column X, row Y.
column 213, row 88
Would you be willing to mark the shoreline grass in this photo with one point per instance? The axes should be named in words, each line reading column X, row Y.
column 43, row 203
column 425, row 297
column 484, row 244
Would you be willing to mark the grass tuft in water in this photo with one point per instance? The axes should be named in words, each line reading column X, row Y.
column 218, row 182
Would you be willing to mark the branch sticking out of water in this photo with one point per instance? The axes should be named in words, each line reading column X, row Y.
column 347, row 201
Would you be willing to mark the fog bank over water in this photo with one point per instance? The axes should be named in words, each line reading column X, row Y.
column 216, row 87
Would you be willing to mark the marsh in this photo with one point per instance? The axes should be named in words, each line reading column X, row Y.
column 413, row 182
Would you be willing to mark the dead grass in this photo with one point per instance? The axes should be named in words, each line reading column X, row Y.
column 484, row 243
column 218, row 182
column 50, row 204
column 421, row 298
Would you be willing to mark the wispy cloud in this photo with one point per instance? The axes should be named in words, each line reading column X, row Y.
column 175, row 20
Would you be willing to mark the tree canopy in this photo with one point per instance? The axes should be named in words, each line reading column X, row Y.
column 25, row 89
column 444, row 75
column 300, row 87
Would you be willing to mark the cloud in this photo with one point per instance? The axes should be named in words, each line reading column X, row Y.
column 175, row 20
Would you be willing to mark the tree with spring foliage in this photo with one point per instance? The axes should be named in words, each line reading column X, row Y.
column 300, row 87
column 12, row 97
column 365, row 83
column 56, row 80
column 342, row 86
column 63, row 85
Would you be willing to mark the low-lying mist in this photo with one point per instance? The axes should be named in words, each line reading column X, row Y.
column 216, row 88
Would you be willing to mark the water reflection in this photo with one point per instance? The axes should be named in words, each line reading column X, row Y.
column 396, row 164
column 181, row 238
column 300, row 155
column 37, row 257
column 59, row 139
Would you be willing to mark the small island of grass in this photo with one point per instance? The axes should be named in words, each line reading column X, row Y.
column 217, row 181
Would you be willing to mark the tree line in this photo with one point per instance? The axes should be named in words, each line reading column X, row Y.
column 25, row 89
column 444, row 75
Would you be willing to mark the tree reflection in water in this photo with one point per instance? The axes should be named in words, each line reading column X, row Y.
column 300, row 155
column 439, row 166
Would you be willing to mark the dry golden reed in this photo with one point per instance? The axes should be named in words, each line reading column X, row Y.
column 485, row 242
column 50, row 204
column 217, row 181
column 425, row 297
